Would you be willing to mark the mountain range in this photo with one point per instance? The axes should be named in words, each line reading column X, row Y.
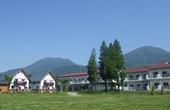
column 139, row 57
column 55, row 65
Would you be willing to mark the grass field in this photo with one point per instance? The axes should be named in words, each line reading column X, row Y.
column 100, row 101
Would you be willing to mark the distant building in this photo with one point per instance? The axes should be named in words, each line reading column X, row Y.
column 157, row 75
column 20, row 82
column 48, row 83
column 4, row 86
column 77, row 81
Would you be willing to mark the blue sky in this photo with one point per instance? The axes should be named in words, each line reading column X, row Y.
column 34, row 29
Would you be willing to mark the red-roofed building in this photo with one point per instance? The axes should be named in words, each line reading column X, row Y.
column 136, row 79
column 144, row 78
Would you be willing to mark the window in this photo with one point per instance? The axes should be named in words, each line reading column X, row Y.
column 130, row 77
column 155, row 74
column 144, row 76
column 132, row 86
column 165, row 84
column 164, row 74
column 125, row 84
column 137, row 76
column 138, row 85
column 79, row 80
column 156, row 85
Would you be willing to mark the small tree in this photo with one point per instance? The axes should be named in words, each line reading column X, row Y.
column 7, row 78
column 63, row 83
column 153, row 90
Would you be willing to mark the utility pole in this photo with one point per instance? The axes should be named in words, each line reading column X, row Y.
column 145, row 59
column 80, row 69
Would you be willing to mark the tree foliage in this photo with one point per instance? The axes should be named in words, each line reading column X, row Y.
column 102, row 63
column 119, row 62
column 111, row 64
column 7, row 77
column 92, row 69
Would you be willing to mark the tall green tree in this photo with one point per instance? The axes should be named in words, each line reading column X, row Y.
column 107, row 64
column 111, row 63
column 102, row 63
column 119, row 62
column 92, row 69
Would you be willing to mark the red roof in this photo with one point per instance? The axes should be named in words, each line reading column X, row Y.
column 76, row 74
column 136, row 70
column 146, row 69
column 160, row 65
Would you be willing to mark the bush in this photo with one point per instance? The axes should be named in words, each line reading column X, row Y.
column 153, row 90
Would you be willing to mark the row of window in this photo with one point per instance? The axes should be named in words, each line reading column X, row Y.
column 136, row 77
column 78, row 80
column 155, row 75
column 165, row 85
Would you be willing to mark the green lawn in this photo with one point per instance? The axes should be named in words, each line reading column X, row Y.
column 61, row 101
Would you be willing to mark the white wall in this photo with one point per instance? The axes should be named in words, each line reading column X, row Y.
column 19, row 76
column 48, row 78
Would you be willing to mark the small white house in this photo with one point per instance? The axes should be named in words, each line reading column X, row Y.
column 48, row 83
column 20, row 82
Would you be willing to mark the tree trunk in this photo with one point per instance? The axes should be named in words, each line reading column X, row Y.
column 118, row 84
column 91, row 87
column 122, row 85
column 95, row 86
column 105, row 84
column 118, row 87
column 108, row 85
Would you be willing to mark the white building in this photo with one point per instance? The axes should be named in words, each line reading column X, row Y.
column 157, row 75
column 77, row 81
column 48, row 83
column 20, row 82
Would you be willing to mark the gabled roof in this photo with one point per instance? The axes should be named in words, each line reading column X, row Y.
column 51, row 76
column 75, row 74
column 21, row 70
column 137, row 70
